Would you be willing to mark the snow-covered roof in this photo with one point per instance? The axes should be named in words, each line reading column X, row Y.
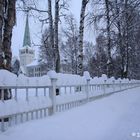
column 34, row 63
column 29, row 48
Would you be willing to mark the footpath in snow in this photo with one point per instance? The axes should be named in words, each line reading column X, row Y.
column 116, row 117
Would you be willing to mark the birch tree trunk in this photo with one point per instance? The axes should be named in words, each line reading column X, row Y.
column 109, row 62
column 1, row 32
column 9, row 22
column 51, row 36
column 81, row 37
column 53, row 31
column 56, row 46
column 120, row 38
column 127, row 41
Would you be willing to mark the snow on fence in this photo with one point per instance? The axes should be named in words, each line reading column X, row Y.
column 38, row 97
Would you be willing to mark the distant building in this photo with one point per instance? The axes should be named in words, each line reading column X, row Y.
column 35, row 69
column 29, row 65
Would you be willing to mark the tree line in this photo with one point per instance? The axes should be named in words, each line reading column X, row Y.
column 117, row 24
column 117, row 45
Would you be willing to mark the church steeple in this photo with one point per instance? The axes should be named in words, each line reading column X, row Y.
column 27, row 40
column 26, row 53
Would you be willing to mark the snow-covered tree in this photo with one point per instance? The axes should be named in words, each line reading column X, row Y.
column 119, row 21
column 15, row 65
column 69, row 48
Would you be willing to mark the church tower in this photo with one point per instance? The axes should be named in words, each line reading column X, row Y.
column 26, row 53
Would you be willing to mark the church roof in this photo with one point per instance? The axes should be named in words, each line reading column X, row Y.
column 34, row 63
column 27, row 40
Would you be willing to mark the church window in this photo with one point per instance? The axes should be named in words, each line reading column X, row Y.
column 22, row 52
column 26, row 50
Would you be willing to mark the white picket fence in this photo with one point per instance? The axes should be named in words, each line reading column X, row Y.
column 34, row 98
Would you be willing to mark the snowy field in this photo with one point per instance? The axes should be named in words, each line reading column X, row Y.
column 116, row 117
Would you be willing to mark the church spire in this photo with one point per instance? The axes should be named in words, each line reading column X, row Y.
column 27, row 40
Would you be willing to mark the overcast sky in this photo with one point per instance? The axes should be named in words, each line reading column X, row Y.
column 35, row 27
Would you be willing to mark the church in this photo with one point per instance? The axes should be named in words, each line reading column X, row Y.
column 29, row 65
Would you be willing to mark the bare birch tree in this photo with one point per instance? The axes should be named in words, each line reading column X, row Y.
column 109, row 62
column 81, row 36
column 7, row 21
column 1, row 33
column 51, row 36
column 56, row 47
column 70, row 46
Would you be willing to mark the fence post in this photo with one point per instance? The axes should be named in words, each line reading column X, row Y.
column 2, row 95
column 127, row 85
column 87, row 76
column 52, row 92
column 27, row 91
column 120, row 85
column 2, row 125
column 88, row 84
column 36, row 89
column 113, row 85
column 16, row 89
column 104, row 86
column 16, row 93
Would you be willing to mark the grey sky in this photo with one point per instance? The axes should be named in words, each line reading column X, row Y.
column 35, row 27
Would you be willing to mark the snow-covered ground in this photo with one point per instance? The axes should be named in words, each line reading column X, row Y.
column 116, row 117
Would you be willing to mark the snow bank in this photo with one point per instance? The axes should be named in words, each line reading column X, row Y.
column 70, row 80
column 9, row 79
column 99, row 80
column 52, row 74
column 16, row 107
column 70, row 98
column 115, row 117
column 23, row 80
